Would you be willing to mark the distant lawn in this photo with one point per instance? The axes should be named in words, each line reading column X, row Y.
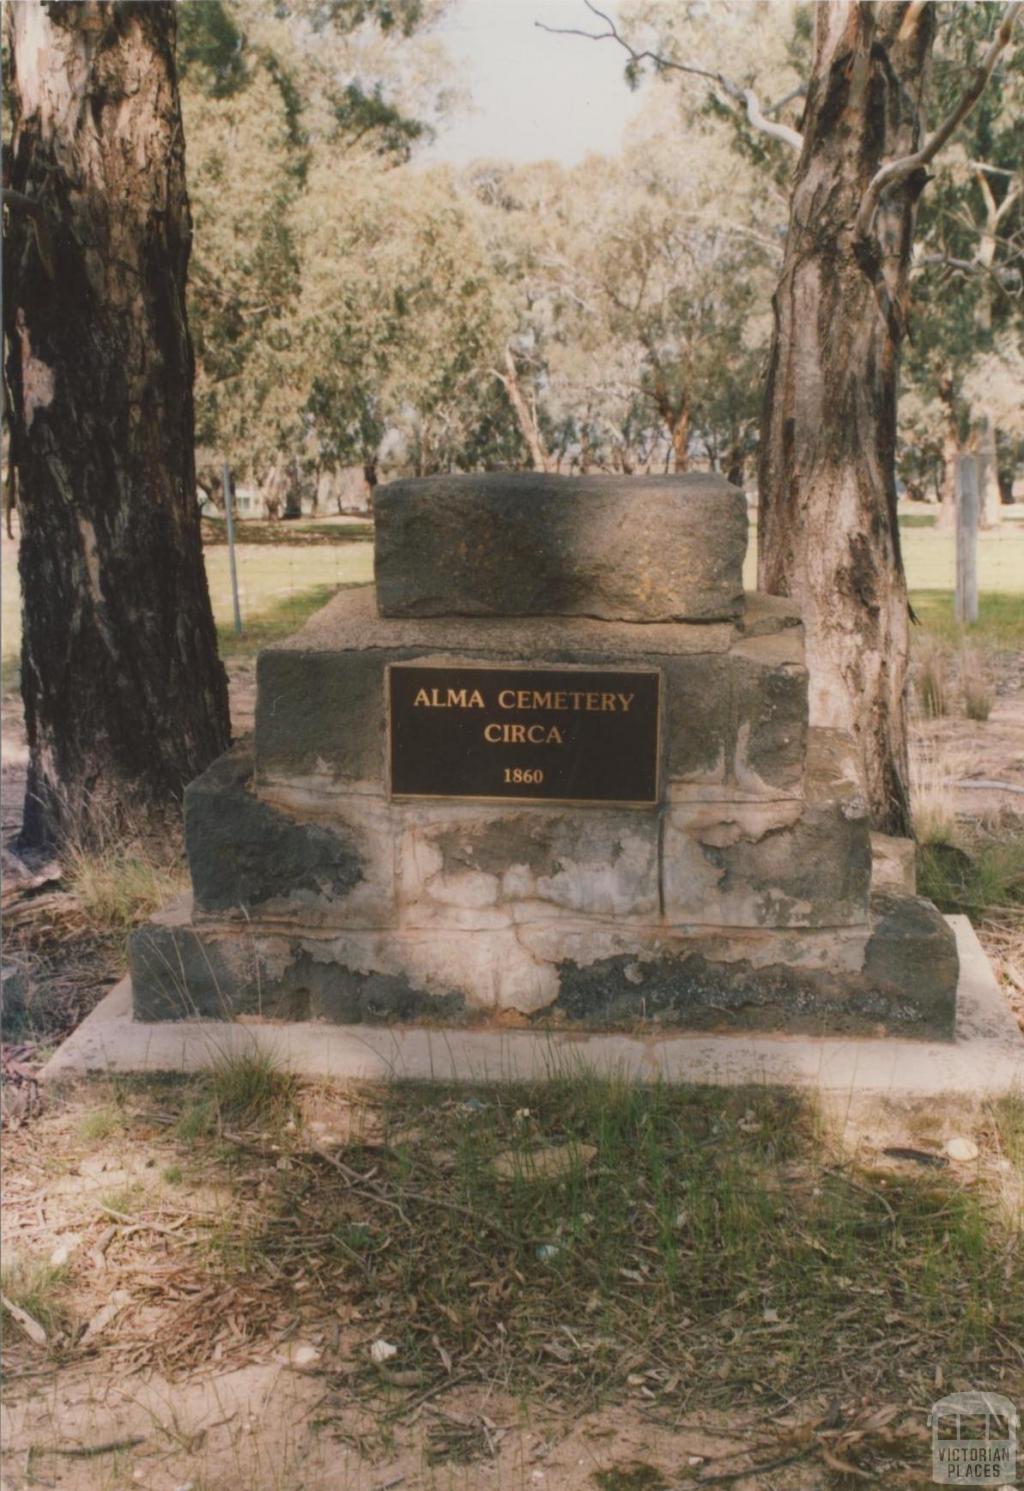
column 280, row 585
column 280, row 535
column 281, row 618
column 1000, row 617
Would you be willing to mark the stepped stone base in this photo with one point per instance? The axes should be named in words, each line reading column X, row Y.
column 701, row 914
column 896, row 976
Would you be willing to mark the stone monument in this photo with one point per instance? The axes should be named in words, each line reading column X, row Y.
column 556, row 769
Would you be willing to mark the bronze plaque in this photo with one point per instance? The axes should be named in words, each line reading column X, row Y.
column 529, row 734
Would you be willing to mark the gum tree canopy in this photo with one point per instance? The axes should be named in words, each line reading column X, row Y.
column 828, row 533
column 125, row 698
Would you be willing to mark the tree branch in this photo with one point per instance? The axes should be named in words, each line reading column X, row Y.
column 898, row 170
column 740, row 97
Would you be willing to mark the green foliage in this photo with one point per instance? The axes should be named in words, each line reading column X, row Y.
column 210, row 48
column 362, row 115
column 273, row 94
column 402, row 16
column 967, row 306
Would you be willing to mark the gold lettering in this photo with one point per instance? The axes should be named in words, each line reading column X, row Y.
column 607, row 703
column 560, row 703
column 507, row 699
column 575, row 697
column 421, row 699
column 498, row 734
column 593, row 701
column 626, row 700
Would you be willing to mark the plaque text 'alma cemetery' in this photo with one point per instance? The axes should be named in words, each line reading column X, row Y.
column 528, row 733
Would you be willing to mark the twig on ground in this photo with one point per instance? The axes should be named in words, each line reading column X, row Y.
column 86, row 1451
column 738, row 1475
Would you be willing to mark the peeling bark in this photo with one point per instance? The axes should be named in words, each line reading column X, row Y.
column 125, row 699
column 828, row 528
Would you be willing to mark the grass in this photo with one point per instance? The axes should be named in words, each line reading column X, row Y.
column 1000, row 616
column 930, row 677
column 100, row 1124
column 40, row 1289
column 272, row 574
column 973, row 874
column 242, row 1091
column 975, row 685
column 1009, row 1118
column 695, row 1251
column 281, row 618
column 695, row 1245
column 270, row 577
column 932, row 799
column 702, row 1243
column 119, row 884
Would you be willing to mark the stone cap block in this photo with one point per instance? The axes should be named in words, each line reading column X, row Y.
column 648, row 549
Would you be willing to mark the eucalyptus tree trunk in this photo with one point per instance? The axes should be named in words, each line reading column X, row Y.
column 828, row 527
column 125, row 699
column 525, row 411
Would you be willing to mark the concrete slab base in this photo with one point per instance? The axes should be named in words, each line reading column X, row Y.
column 985, row 1058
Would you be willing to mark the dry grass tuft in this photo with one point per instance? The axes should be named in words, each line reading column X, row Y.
column 931, row 672
column 933, row 802
column 975, row 685
column 38, row 1290
column 120, row 883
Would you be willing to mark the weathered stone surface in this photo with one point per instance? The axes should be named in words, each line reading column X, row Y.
column 893, row 865
column 737, row 724
column 766, row 614
column 622, row 548
column 247, row 855
column 776, row 864
column 735, row 705
column 912, row 956
column 578, row 972
column 189, row 972
column 477, row 866
column 687, row 990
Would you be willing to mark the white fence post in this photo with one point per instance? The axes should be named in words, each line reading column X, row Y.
column 966, row 598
